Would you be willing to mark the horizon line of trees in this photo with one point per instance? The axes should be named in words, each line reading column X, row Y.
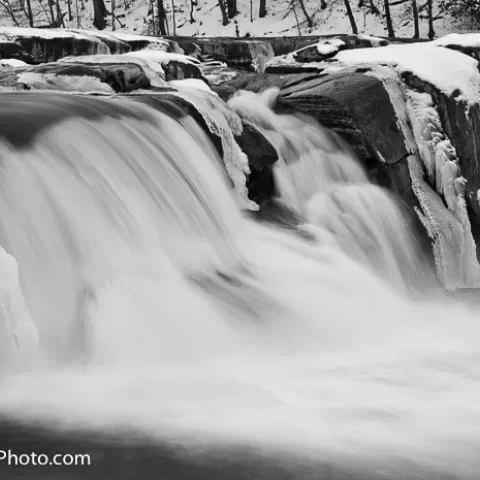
column 52, row 12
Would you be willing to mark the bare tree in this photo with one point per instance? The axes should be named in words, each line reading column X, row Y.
column 431, row 31
column 388, row 18
column 351, row 17
column 29, row 13
column 231, row 8
column 174, row 23
column 307, row 16
column 223, row 9
column 7, row 7
column 416, row 32
column 113, row 14
column 262, row 11
column 99, row 14
column 69, row 6
column 193, row 4
column 162, row 17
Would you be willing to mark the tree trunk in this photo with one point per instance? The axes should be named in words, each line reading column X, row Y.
column 323, row 4
column 388, row 18
column 351, row 17
column 70, row 16
column 113, row 15
column 262, row 12
column 231, row 8
column 193, row 3
column 416, row 32
column 221, row 4
column 162, row 17
column 99, row 14
column 51, row 3
column 307, row 16
column 30, row 13
column 431, row 31
column 174, row 22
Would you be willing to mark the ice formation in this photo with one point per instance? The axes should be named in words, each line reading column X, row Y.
column 226, row 124
column 21, row 331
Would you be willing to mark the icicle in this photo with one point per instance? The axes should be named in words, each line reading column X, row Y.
column 224, row 123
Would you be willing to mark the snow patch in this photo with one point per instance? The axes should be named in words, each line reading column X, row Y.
column 327, row 47
column 195, row 83
column 460, row 39
column 64, row 83
column 153, row 73
column 446, row 69
column 12, row 62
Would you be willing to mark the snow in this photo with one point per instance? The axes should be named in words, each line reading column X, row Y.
column 12, row 62
column 327, row 47
column 281, row 20
column 190, row 83
column 462, row 40
column 64, row 83
column 162, row 57
column 446, row 69
column 155, row 78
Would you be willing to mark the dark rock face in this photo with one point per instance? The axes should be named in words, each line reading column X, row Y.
column 37, row 47
column 261, row 155
column 247, row 55
column 175, row 70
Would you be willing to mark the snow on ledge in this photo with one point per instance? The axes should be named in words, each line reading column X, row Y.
column 153, row 75
column 447, row 70
column 461, row 39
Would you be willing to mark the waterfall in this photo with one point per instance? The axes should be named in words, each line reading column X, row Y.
column 162, row 307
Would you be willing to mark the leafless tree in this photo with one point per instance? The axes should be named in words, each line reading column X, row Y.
column 231, row 8
column 416, row 33
column 6, row 6
column 351, row 17
column 99, row 14
column 113, row 15
column 162, row 17
column 388, row 19
column 431, row 31
column 308, row 18
column 223, row 9
column 262, row 11
column 193, row 4
column 174, row 22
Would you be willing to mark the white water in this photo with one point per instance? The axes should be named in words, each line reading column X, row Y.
column 296, row 345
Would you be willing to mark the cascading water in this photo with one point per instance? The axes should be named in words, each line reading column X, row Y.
column 204, row 327
column 318, row 176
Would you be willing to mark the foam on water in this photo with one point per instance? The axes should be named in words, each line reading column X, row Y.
column 206, row 328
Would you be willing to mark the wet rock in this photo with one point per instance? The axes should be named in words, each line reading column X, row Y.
column 49, row 45
column 243, row 54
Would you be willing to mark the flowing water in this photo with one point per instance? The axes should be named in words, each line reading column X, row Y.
column 161, row 307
